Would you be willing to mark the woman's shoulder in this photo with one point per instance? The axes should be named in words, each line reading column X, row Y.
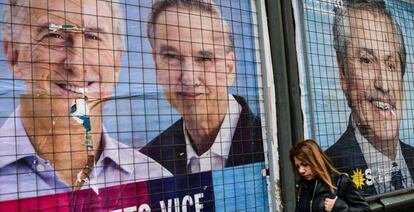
column 349, row 195
column 343, row 177
column 341, row 181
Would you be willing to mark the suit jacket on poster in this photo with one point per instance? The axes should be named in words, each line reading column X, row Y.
column 347, row 157
column 169, row 148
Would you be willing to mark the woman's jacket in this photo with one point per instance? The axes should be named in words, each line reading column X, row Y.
column 312, row 194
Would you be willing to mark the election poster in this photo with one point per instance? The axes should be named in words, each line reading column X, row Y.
column 357, row 88
column 128, row 105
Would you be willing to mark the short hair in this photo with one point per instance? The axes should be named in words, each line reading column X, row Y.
column 321, row 165
column 16, row 12
column 203, row 5
column 341, row 27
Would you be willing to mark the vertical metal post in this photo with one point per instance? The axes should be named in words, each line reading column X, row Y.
column 287, row 91
column 274, row 187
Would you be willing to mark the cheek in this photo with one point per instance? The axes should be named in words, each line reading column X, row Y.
column 34, row 54
column 359, row 86
column 311, row 171
column 36, row 71
column 107, row 75
column 398, row 88
column 216, row 79
column 168, row 77
column 357, row 79
column 101, row 57
column 212, row 79
column 103, row 63
column 39, row 53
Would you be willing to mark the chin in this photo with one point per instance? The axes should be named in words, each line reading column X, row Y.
column 386, row 137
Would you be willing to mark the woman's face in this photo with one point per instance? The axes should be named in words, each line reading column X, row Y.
column 304, row 169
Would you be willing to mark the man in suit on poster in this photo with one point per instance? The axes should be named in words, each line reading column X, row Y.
column 195, row 63
column 371, row 58
column 65, row 52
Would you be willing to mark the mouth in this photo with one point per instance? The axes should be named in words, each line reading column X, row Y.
column 307, row 177
column 189, row 95
column 73, row 88
column 384, row 106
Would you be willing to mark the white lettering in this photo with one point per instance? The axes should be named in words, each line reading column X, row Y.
column 186, row 200
column 183, row 206
column 177, row 204
column 368, row 177
column 198, row 205
column 144, row 208
column 163, row 208
column 130, row 209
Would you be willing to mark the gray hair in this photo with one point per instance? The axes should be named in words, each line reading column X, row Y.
column 342, row 29
column 17, row 12
column 202, row 5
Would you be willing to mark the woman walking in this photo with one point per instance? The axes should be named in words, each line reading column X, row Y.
column 321, row 187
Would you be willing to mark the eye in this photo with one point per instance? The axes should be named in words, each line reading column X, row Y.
column 391, row 67
column 203, row 59
column 55, row 36
column 365, row 60
column 53, row 40
column 171, row 56
column 89, row 36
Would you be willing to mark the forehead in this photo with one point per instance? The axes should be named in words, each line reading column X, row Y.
column 190, row 25
column 85, row 13
column 297, row 160
column 371, row 28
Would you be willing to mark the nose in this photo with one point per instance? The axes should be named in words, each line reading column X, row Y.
column 74, row 60
column 189, row 74
column 301, row 170
column 381, row 77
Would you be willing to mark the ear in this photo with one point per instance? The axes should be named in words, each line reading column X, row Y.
column 12, row 56
column 230, row 67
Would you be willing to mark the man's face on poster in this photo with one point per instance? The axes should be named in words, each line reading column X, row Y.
column 194, row 66
column 59, row 66
column 372, row 76
column 66, row 63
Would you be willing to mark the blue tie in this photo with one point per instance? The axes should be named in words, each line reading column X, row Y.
column 396, row 177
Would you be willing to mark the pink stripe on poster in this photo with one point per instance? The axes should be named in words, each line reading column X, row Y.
column 108, row 199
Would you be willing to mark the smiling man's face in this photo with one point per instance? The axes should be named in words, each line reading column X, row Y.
column 372, row 77
column 68, row 63
column 59, row 66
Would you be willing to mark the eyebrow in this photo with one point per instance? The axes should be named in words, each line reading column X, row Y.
column 369, row 51
column 206, row 53
column 86, row 29
column 94, row 29
column 166, row 48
